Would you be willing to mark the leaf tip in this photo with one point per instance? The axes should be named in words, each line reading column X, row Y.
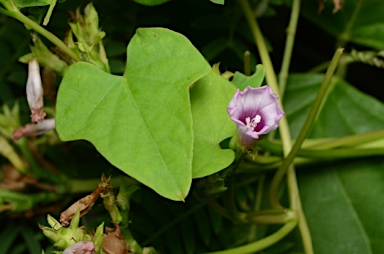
column 181, row 196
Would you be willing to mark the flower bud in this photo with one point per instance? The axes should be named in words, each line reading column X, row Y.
column 34, row 129
column 35, row 92
column 63, row 237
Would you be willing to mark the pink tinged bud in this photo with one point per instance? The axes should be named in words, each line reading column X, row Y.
column 35, row 92
column 34, row 129
column 80, row 248
column 256, row 112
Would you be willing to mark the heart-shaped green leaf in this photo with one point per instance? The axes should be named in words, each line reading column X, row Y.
column 210, row 97
column 141, row 122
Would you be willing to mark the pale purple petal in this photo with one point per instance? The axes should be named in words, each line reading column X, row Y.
column 256, row 112
column 80, row 248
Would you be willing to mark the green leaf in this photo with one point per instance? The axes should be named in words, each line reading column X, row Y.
column 334, row 223
column 151, row 2
column 44, row 56
column 31, row 3
column 242, row 81
column 210, row 97
column 340, row 200
column 8, row 237
column 141, row 123
column 34, row 247
column 360, row 22
column 218, row 1
column 347, row 111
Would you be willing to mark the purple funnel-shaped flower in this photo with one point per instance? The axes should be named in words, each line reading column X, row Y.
column 256, row 112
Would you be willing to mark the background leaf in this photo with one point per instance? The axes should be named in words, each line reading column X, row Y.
column 210, row 97
column 141, row 123
column 8, row 236
column 340, row 200
column 151, row 2
column 31, row 3
column 217, row 1
column 347, row 111
column 360, row 22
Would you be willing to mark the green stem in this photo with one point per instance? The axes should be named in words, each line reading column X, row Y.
column 352, row 140
column 8, row 5
column 8, row 152
column 319, row 68
column 247, row 63
column 263, row 243
column 248, row 168
column 271, row 216
column 341, row 153
column 346, row 35
column 284, row 128
column 261, row 46
column 304, row 131
column 21, row 202
column 49, row 12
column 290, row 40
column 15, row 13
column 356, row 140
column 324, row 153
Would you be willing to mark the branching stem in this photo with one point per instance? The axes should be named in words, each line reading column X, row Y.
column 284, row 129
column 16, row 14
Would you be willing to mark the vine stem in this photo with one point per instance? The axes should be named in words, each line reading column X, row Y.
column 16, row 14
column 263, row 243
column 289, row 43
column 293, row 189
column 296, row 147
column 325, row 152
column 305, row 130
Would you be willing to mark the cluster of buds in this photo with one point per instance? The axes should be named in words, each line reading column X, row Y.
column 68, row 236
column 73, row 239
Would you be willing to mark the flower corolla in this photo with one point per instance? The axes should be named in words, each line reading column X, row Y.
column 256, row 112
